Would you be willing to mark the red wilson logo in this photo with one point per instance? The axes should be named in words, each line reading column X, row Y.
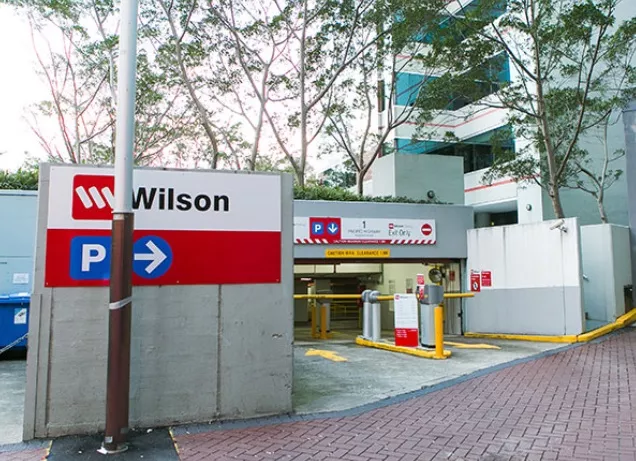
column 93, row 197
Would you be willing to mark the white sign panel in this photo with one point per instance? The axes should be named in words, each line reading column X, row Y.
column 337, row 230
column 20, row 316
column 406, row 315
column 20, row 278
column 82, row 198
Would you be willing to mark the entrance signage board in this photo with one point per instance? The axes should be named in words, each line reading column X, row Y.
column 379, row 231
column 191, row 227
column 406, row 320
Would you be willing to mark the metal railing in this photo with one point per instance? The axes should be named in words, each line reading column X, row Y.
column 14, row 343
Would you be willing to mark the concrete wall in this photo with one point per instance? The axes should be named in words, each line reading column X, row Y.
column 412, row 176
column 536, row 279
column 383, row 174
column 583, row 205
column 607, row 270
column 18, row 211
column 198, row 353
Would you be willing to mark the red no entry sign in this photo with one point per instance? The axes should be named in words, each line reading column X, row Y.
column 427, row 229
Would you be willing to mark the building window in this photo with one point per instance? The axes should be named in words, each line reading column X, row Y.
column 496, row 72
column 455, row 22
column 478, row 151
column 408, row 86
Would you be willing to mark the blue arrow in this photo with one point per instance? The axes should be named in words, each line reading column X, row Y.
column 152, row 257
column 333, row 228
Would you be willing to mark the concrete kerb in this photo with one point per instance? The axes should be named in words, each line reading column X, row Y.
column 36, row 444
column 623, row 321
column 415, row 351
column 193, row 429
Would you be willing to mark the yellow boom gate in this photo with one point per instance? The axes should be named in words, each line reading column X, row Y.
column 438, row 353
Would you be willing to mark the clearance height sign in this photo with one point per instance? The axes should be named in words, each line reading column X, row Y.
column 191, row 227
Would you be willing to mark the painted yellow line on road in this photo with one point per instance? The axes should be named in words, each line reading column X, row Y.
column 404, row 350
column 470, row 345
column 329, row 355
column 537, row 338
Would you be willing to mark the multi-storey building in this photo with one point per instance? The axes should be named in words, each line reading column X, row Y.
column 453, row 171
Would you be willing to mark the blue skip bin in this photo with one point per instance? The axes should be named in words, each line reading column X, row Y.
column 14, row 319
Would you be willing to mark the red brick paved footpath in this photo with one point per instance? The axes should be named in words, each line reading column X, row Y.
column 27, row 455
column 574, row 405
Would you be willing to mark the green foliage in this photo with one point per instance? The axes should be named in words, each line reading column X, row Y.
column 335, row 194
column 27, row 179
column 341, row 176
column 22, row 179
column 574, row 65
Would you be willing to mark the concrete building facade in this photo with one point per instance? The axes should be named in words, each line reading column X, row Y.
column 436, row 168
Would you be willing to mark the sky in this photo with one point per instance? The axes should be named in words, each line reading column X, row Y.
column 20, row 87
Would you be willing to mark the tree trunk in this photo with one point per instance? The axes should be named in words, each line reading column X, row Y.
column 360, row 183
column 544, row 125
column 600, row 198
column 601, row 206
column 555, row 197
column 601, row 210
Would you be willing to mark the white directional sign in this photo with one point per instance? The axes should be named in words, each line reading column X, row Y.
column 331, row 230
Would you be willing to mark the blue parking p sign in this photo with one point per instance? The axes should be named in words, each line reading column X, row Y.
column 318, row 228
column 90, row 258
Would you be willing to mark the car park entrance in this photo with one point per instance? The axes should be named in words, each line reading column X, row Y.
column 346, row 248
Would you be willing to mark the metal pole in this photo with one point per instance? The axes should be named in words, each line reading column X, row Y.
column 120, row 307
column 366, row 315
column 376, row 320
column 629, row 121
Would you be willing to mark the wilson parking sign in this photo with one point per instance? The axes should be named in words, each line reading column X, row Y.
column 191, row 227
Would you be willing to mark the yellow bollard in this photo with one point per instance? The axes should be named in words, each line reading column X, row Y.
column 314, row 319
column 323, row 321
column 439, row 332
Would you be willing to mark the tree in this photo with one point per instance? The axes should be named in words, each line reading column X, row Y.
column 76, row 47
column 24, row 178
column 371, row 93
column 571, row 64
column 247, row 70
column 181, row 53
column 592, row 178
column 293, row 54
column 341, row 176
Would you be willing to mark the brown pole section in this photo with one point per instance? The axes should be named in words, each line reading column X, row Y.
column 119, row 320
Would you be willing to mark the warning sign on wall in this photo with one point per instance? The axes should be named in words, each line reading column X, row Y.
column 486, row 278
column 475, row 282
